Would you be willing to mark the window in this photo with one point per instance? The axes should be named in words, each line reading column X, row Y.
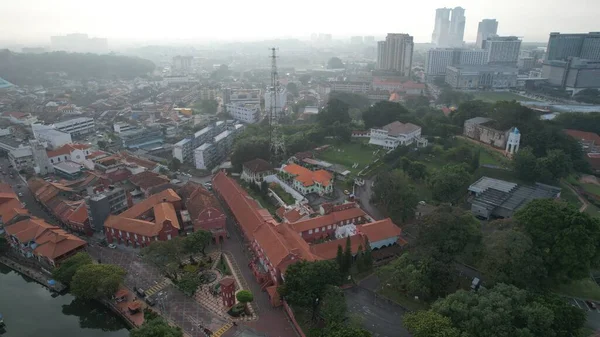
column 328, row 226
column 310, row 231
column 323, row 229
column 52, row 161
column 65, row 157
column 316, row 230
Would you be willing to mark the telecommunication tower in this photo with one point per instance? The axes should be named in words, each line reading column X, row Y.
column 277, row 144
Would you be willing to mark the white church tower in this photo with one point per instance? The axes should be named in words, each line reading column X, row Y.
column 512, row 144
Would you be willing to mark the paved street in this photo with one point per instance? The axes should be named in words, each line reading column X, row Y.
column 364, row 193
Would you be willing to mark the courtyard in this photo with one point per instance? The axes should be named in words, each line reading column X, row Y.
column 349, row 154
column 494, row 96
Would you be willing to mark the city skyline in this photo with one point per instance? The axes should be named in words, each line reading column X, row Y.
column 38, row 20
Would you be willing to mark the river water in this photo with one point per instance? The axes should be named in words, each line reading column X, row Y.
column 30, row 310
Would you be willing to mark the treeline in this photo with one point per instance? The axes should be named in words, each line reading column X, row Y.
column 34, row 69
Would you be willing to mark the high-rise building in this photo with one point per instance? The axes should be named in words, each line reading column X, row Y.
column 457, row 27
column 182, row 64
column 485, row 29
column 503, row 50
column 563, row 46
column 442, row 27
column 449, row 32
column 437, row 60
column 395, row 53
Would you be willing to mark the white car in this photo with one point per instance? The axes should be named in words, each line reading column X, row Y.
column 112, row 246
column 20, row 194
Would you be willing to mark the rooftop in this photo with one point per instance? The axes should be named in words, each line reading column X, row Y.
column 484, row 183
column 67, row 149
column 257, row 165
column 583, row 136
column 507, row 195
column 308, row 177
column 68, row 167
column 477, row 120
column 396, row 128
column 148, row 179
column 334, row 217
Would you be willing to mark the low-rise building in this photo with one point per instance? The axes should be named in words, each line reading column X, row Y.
column 52, row 137
column 154, row 219
column 22, row 118
column 145, row 137
column 204, row 210
column 103, row 202
column 49, row 244
column 482, row 77
column 256, row 170
column 590, row 142
column 394, row 134
column 348, row 86
column 76, row 127
column 494, row 198
column 247, row 113
column 146, row 180
column 487, row 131
column 324, row 226
column 306, row 181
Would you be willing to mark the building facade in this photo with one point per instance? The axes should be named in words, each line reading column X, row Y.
column 482, row 77
column 77, row 127
column 213, row 152
column 394, row 134
column 246, row 113
column 349, row 86
column 306, row 181
column 184, row 149
column 485, row 29
column 503, row 50
column 146, row 137
column 574, row 74
column 562, row 46
column 256, row 170
column 104, row 202
column 438, row 60
column 279, row 102
column 396, row 54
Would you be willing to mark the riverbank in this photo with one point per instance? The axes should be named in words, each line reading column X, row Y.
column 35, row 274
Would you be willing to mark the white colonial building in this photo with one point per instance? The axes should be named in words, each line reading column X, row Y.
column 247, row 113
column 395, row 134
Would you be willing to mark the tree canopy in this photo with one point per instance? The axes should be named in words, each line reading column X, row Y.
column 335, row 111
column 383, row 113
column 335, row 63
column 156, row 328
column 197, row 242
column 244, row 296
column 449, row 183
column 67, row 269
column 306, row 282
column 567, row 239
column 393, row 192
column 429, row 324
column 165, row 255
column 97, row 281
column 33, row 69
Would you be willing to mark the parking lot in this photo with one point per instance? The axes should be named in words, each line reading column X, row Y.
column 581, row 304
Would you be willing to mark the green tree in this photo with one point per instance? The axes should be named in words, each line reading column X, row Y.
column 383, row 113
column 343, row 330
column 156, row 328
column 174, row 164
column 208, row 106
column 449, row 183
column 339, row 258
column 4, row 246
column 468, row 110
column 335, row 111
column 188, row 283
column 360, row 259
column 509, row 257
column 525, row 165
column 102, row 144
column 335, row 63
column 304, row 79
column 67, row 269
column 393, row 192
column 506, row 311
column 422, row 276
column 248, row 148
column 306, row 282
column 556, row 163
column 429, row 324
column 368, row 255
column 416, row 170
column 347, row 257
column 448, row 232
column 567, row 238
column 244, row 296
column 97, row 281
column 333, row 307
column 292, row 88
column 197, row 242
column 165, row 255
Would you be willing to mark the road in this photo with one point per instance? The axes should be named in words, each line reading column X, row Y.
column 364, row 194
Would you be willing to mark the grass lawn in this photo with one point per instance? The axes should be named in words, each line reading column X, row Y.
column 585, row 288
column 591, row 188
column 405, row 301
column 567, row 195
column 493, row 96
column 285, row 196
column 350, row 153
column 486, row 158
column 593, row 210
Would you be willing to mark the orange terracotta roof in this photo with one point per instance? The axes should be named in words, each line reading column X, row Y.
column 198, row 199
column 148, row 179
column 328, row 250
column 67, row 149
column 137, row 160
column 56, row 243
column 161, row 205
column 328, row 219
column 583, row 135
column 308, row 177
column 6, row 188
column 380, row 230
column 80, row 215
column 27, row 230
column 10, row 209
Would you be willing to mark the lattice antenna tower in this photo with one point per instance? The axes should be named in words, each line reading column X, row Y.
column 277, row 144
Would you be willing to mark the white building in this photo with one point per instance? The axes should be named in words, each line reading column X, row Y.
column 212, row 153
column 77, row 126
column 241, row 96
column 184, row 149
column 71, row 152
column 247, row 113
column 280, row 100
column 438, row 60
column 513, row 141
column 348, row 86
column 122, row 127
column 22, row 118
column 52, row 137
column 503, row 50
column 395, row 53
column 396, row 133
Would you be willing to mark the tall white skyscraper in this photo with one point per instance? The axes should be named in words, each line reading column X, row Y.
column 485, row 29
column 437, row 60
column 457, row 27
column 395, row 53
column 449, row 29
column 503, row 50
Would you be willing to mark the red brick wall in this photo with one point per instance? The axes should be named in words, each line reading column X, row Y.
column 331, row 232
column 123, row 239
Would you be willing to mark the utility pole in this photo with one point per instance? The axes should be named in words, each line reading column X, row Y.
column 276, row 142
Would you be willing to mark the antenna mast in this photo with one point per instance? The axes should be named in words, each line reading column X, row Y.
column 277, row 145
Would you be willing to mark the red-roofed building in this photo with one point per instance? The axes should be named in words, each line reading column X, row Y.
column 590, row 142
column 324, row 227
column 147, row 180
column 154, row 219
column 35, row 238
column 381, row 234
column 69, row 152
column 594, row 160
column 306, row 181
column 23, row 118
column 205, row 210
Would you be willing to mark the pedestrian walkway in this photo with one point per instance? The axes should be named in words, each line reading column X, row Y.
column 158, row 287
column 222, row 330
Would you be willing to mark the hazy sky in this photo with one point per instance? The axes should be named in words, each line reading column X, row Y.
column 33, row 21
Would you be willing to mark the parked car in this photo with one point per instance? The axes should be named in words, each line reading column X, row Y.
column 112, row 246
column 591, row 304
column 141, row 293
column 20, row 194
column 151, row 302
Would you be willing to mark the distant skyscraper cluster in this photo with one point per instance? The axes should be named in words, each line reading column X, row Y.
column 486, row 29
column 79, row 43
column 449, row 29
column 395, row 54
